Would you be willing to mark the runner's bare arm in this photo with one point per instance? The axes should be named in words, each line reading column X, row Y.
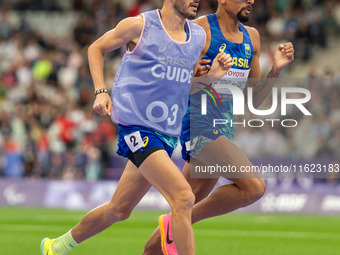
column 284, row 54
column 127, row 32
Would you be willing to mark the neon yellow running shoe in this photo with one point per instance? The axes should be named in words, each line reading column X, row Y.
column 46, row 246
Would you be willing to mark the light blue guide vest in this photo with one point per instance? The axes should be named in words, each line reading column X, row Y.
column 153, row 81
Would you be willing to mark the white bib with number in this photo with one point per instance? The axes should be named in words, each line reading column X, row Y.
column 134, row 141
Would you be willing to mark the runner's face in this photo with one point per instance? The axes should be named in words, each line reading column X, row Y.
column 187, row 8
column 244, row 8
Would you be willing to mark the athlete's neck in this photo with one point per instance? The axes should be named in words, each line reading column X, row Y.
column 228, row 24
column 174, row 26
column 172, row 21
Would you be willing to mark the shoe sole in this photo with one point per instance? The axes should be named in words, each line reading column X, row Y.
column 161, row 226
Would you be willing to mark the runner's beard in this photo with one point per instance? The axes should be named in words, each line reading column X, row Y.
column 242, row 18
column 182, row 8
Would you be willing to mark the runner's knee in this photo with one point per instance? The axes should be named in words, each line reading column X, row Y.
column 119, row 212
column 255, row 190
column 183, row 200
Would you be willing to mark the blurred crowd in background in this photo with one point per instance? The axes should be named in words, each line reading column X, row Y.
column 48, row 128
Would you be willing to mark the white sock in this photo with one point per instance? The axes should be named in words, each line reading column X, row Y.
column 64, row 244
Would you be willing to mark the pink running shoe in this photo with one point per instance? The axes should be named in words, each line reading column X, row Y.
column 168, row 245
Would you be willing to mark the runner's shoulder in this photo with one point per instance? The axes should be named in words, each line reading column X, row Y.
column 253, row 32
column 203, row 22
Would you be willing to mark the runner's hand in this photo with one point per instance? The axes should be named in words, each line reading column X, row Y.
column 220, row 66
column 103, row 105
column 203, row 67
